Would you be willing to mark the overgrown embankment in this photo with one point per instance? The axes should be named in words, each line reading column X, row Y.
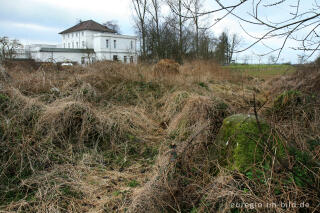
column 115, row 138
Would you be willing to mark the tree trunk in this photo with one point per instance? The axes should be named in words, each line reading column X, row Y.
column 180, row 33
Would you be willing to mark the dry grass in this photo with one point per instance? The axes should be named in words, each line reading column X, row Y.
column 182, row 168
column 166, row 67
column 111, row 138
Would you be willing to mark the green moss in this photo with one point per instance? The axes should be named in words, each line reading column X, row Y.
column 181, row 97
column 194, row 210
column 3, row 98
column 314, row 144
column 133, row 183
column 4, row 101
column 204, row 85
column 1, row 130
column 150, row 153
column 68, row 191
column 242, row 143
column 116, row 193
column 129, row 150
column 303, row 169
column 16, row 195
column 222, row 106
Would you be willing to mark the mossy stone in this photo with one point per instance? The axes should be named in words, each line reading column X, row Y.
column 242, row 144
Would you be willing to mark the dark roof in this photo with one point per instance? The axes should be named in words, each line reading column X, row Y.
column 88, row 25
column 67, row 50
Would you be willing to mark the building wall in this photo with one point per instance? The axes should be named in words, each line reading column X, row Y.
column 86, row 39
column 89, row 39
column 77, row 40
column 125, row 49
column 108, row 46
column 79, row 57
column 120, row 56
column 58, row 56
column 116, row 43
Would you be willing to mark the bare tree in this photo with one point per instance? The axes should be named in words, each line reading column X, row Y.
column 302, row 58
column 222, row 48
column 234, row 43
column 140, row 8
column 154, row 11
column 272, row 59
column 226, row 45
column 207, row 44
column 195, row 16
column 181, row 33
column 301, row 24
column 8, row 48
column 178, row 8
column 199, row 18
column 112, row 25
column 260, row 58
column 246, row 59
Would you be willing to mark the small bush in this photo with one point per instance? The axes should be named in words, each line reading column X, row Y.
column 166, row 67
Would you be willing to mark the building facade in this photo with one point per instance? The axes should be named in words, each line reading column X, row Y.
column 87, row 42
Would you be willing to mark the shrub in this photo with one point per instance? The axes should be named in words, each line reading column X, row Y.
column 166, row 67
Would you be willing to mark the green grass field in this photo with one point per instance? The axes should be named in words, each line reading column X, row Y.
column 262, row 70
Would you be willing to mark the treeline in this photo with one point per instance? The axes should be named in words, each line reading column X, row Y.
column 181, row 32
column 8, row 48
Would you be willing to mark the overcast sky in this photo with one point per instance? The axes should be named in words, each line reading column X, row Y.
column 40, row 21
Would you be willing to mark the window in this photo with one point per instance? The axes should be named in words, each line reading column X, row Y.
column 115, row 58
column 72, row 35
column 77, row 45
column 68, row 45
column 64, row 45
column 83, row 44
column 125, row 59
column 131, row 59
column 82, row 33
column 131, row 45
column 114, row 44
column 63, row 36
column 68, row 35
column 72, row 44
column 107, row 43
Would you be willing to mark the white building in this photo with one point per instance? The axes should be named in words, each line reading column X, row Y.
column 86, row 42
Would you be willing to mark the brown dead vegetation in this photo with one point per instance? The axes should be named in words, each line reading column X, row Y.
column 306, row 79
column 191, row 132
column 166, row 67
column 112, row 137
